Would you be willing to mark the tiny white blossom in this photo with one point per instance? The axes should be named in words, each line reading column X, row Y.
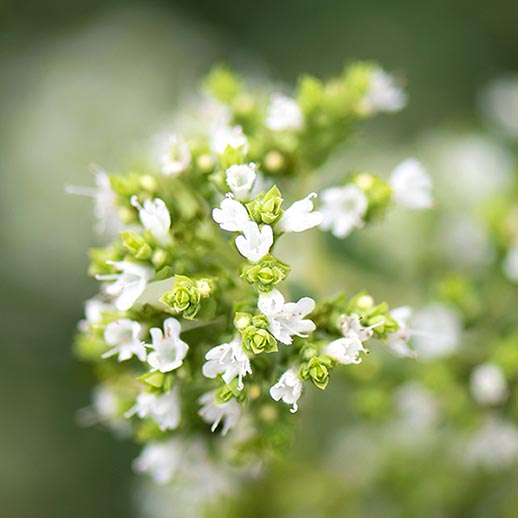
column 352, row 328
column 398, row 341
column 510, row 266
column 436, row 331
column 213, row 413
column 240, row 178
column 345, row 350
column 286, row 319
column 155, row 217
column 129, row 284
column 94, row 309
column 383, row 94
column 177, row 157
column 227, row 359
column 160, row 459
column 411, row 185
column 284, row 114
column 228, row 136
column 169, row 349
column 164, row 409
column 488, row 385
column 254, row 243
column 343, row 209
column 123, row 336
column 288, row 388
column 300, row 216
column 231, row 215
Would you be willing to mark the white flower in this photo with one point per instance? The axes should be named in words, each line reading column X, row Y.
column 286, row 319
column 177, row 157
column 228, row 136
column 169, row 349
column 411, row 185
column 231, row 215
column 488, row 385
column 254, row 243
column 500, row 104
column 155, row 217
column 240, row 179
column 212, row 412
column 345, row 350
column 418, row 409
column 128, row 285
column 398, row 341
column 94, row 309
column 228, row 359
column 105, row 203
column 300, row 216
column 352, row 328
column 510, row 265
column 164, row 409
column 124, row 337
column 160, row 459
column 383, row 95
column 288, row 388
column 284, row 114
column 343, row 209
column 436, row 331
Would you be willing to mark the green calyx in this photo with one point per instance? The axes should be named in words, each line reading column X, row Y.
column 257, row 340
column 136, row 245
column 266, row 274
column 378, row 192
column 228, row 391
column 266, row 208
column 317, row 370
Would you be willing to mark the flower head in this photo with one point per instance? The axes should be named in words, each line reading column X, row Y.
column 240, row 178
column 488, row 385
column 164, row 409
column 398, row 341
column 286, row 319
column 169, row 349
column 176, row 158
column 255, row 243
column 300, row 216
column 343, row 209
column 160, row 459
column 288, row 388
column 411, row 185
column 123, row 336
column 213, row 413
column 284, row 114
column 155, row 217
column 383, row 94
column 228, row 136
column 231, row 215
column 227, row 359
column 345, row 350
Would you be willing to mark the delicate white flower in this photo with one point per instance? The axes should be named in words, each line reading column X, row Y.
column 288, row 388
column 284, row 114
column 177, row 157
column 155, row 217
column 398, row 341
column 129, row 284
column 345, row 350
column 418, row 409
column 240, row 179
column 351, row 327
column 494, row 446
column 510, row 265
column 94, row 309
column 488, row 385
column 227, row 136
column 436, row 331
column 164, row 409
column 228, row 359
column 254, row 243
column 343, row 209
column 124, row 337
column 383, row 94
column 160, row 459
column 169, row 349
column 105, row 203
column 300, row 216
column 212, row 412
column 231, row 215
column 411, row 185
column 286, row 319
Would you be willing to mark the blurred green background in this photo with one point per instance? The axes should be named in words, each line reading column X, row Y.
column 91, row 80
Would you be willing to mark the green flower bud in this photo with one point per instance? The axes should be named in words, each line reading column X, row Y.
column 266, row 274
column 257, row 340
column 136, row 245
column 317, row 370
column 223, row 84
column 242, row 320
column 226, row 392
column 266, row 208
column 183, row 298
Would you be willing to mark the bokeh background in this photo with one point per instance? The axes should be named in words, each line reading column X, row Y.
column 90, row 81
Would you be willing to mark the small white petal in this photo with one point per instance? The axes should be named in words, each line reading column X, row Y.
column 254, row 243
column 411, row 185
column 300, row 216
column 232, row 215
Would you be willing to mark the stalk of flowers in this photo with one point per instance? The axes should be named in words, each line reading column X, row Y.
column 192, row 318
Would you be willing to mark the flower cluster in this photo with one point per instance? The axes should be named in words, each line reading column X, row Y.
column 193, row 328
